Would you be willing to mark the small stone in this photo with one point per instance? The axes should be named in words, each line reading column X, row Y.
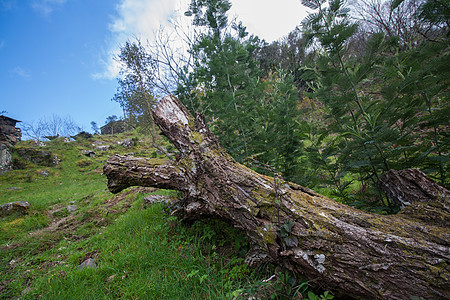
column 149, row 200
column 102, row 148
column 88, row 153
column 14, row 188
column 71, row 208
column 72, row 202
column 88, row 263
column 45, row 173
column 127, row 143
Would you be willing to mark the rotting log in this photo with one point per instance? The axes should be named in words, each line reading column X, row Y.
column 347, row 251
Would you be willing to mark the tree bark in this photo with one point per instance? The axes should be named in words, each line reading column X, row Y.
column 349, row 252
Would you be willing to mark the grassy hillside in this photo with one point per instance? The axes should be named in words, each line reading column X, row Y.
column 139, row 252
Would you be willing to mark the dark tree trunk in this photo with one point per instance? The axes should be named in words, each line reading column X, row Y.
column 350, row 252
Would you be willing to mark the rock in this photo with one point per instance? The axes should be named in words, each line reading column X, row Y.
column 66, row 140
column 51, row 137
column 149, row 200
column 71, row 208
column 127, row 143
column 27, row 290
column 39, row 144
column 83, row 135
column 44, row 173
column 102, row 147
column 5, row 159
column 14, row 188
column 88, row 153
column 18, row 207
column 88, row 263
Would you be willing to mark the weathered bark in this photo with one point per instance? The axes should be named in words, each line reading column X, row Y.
column 347, row 251
column 418, row 196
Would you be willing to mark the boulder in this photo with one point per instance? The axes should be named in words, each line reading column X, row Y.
column 5, row 159
column 18, row 207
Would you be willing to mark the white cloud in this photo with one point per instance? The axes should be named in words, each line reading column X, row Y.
column 21, row 72
column 142, row 18
column 136, row 19
column 268, row 19
column 46, row 7
column 111, row 67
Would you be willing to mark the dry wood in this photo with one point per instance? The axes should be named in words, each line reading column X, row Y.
column 350, row 252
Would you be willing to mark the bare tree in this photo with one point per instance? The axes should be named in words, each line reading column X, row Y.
column 50, row 126
column 33, row 130
column 172, row 58
column 378, row 16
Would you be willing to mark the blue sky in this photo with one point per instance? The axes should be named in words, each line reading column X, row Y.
column 56, row 55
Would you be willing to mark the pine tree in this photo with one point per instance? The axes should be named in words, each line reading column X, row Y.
column 251, row 115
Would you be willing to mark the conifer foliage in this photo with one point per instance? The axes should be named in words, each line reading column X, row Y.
column 253, row 116
column 333, row 106
column 383, row 111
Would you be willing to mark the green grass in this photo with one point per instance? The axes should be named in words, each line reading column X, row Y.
column 141, row 253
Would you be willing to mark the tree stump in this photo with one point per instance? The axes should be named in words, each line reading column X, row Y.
column 347, row 251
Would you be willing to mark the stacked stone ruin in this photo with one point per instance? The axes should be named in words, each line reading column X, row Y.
column 9, row 136
column 9, row 133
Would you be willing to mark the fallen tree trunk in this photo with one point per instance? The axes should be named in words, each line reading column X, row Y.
column 347, row 251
